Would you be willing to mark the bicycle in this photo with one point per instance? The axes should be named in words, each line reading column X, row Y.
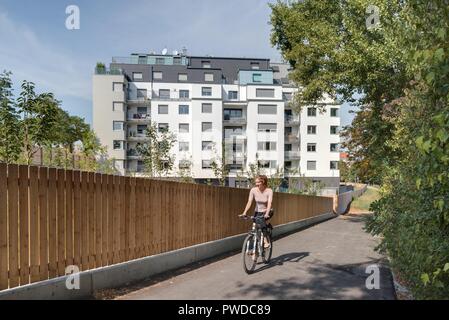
column 253, row 246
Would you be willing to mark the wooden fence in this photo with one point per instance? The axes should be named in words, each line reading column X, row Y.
column 52, row 218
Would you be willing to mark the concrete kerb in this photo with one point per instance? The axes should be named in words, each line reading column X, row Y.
column 140, row 269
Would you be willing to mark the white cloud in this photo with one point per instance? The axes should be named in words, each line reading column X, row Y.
column 52, row 69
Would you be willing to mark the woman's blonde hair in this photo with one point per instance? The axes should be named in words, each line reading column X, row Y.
column 263, row 179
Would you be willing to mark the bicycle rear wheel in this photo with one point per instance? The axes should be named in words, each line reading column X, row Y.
column 249, row 254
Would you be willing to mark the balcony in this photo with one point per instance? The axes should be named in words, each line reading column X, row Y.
column 139, row 117
column 106, row 71
column 291, row 155
column 291, row 138
column 234, row 120
column 139, row 101
column 292, row 120
column 134, row 136
column 168, row 97
column 132, row 154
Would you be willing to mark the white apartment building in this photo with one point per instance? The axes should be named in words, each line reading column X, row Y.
column 210, row 102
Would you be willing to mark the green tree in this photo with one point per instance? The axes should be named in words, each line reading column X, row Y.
column 156, row 151
column 10, row 138
column 219, row 165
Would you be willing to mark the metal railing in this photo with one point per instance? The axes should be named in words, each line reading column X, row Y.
column 106, row 71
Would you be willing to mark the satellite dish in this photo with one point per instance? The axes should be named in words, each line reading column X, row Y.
column 164, row 51
column 175, row 53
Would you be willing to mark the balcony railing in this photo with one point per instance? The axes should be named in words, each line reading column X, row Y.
column 139, row 116
column 292, row 155
column 138, row 100
column 168, row 97
column 234, row 120
column 133, row 135
column 292, row 120
column 106, row 71
column 291, row 138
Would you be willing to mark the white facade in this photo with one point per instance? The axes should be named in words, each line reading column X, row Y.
column 257, row 118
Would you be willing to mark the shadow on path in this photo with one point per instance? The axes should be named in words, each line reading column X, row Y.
column 279, row 261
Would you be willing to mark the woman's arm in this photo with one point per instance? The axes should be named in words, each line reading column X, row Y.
column 250, row 201
column 270, row 199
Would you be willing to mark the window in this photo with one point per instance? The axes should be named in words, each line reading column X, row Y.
column 206, row 164
column 183, row 109
column 164, row 93
column 142, row 110
column 266, row 146
column 160, row 60
column 266, row 109
column 142, row 60
column 118, row 145
column 163, row 109
column 287, row 164
column 232, row 95
column 311, row 147
column 334, row 147
column 334, row 165
column 206, row 145
column 177, row 60
column 286, row 96
column 311, row 129
column 206, row 91
column 255, row 65
column 183, row 146
column 208, row 77
column 117, row 125
column 334, row 129
column 229, row 114
column 311, row 112
column 206, row 126
column 334, row 112
column 206, row 108
column 182, row 77
column 311, row 165
column 157, row 75
column 117, row 86
column 267, row 163
column 184, row 164
column 267, row 127
column 257, row 77
column 288, row 147
column 205, row 64
column 162, row 127
column 141, row 128
column 183, row 128
column 141, row 94
column 183, row 94
column 265, row 93
column 137, row 76
column 117, row 106
column 288, row 130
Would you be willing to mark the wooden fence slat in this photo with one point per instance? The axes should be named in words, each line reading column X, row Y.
column 77, row 214
column 52, row 239
column 34, row 224
column 69, row 217
column 43, row 223
column 24, row 225
column 13, row 221
column 3, row 228
column 91, row 219
column 60, row 218
column 84, row 221
column 98, row 217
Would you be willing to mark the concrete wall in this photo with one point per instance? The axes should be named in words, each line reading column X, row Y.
column 140, row 269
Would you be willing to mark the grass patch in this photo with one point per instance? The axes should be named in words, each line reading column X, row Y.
column 363, row 202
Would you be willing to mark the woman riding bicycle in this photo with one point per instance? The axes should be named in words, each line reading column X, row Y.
column 263, row 197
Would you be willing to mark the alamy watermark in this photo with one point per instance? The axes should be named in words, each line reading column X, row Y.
column 373, row 280
column 72, row 22
column 373, row 20
column 73, row 280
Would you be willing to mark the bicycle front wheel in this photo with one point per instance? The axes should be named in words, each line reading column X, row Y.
column 249, row 253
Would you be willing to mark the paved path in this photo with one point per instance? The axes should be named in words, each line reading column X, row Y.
column 326, row 261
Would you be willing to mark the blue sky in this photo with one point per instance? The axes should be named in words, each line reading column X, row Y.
column 36, row 46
